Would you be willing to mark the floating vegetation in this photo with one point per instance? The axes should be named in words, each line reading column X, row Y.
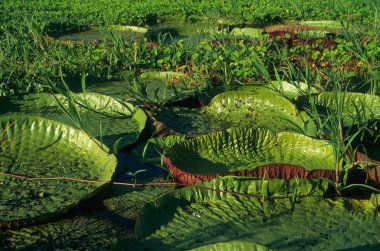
column 169, row 125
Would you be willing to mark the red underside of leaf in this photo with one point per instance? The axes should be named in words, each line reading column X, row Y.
column 272, row 171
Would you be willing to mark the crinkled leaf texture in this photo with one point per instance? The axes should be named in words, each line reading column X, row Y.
column 261, row 107
column 160, row 89
column 357, row 107
column 232, row 246
column 107, row 119
column 225, row 212
column 94, row 231
column 189, row 121
column 250, row 152
column 37, row 147
column 289, row 90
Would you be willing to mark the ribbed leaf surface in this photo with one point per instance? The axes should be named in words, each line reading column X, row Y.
column 95, row 231
column 148, row 88
column 37, row 147
column 245, row 151
column 357, row 107
column 105, row 118
column 261, row 108
column 221, row 212
column 190, row 121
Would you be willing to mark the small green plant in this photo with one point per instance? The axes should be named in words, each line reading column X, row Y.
column 134, row 174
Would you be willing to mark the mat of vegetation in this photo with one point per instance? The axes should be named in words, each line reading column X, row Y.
column 227, row 212
column 189, row 125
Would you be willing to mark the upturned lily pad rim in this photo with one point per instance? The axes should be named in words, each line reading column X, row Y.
column 231, row 186
column 268, row 169
column 258, row 102
column 91, row 102
column 169, row 216
column 109, row 160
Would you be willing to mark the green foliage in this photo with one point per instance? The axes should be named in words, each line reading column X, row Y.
column 36, row 147
column 64, row 15
column 357, row 108
column 260, row 108
column 104, row 118
column 162, row 55
column 239, row 149
column 30, row 62
column 152, row 151
column 97, row 230
column 225, row 211
column 190, row 121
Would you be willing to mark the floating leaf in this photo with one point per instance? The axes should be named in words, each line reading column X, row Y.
column 104, row 118
column 226, row 211
column 261, row 108
column 37, row 147
column 250, row 152
column 357, row 107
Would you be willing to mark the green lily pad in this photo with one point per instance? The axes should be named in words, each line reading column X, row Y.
column 91, row 230
column 290, row 90
column 323, row 24
column 357, row 107
column 162, row 75
column 95, row 231
column 102, row 33
column 247, row 32
column 310, row 34
column 189, row 121
column 226, row 211
column 37, row 147
column 250, row 152
column 261, row 108
column 232, row 245
column 105, row 118
column 129, row 28
column 250, row 106
column 148, row 89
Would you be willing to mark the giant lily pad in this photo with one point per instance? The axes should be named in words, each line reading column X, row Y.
column 192, row 121
column 105, row 118
column 149, row 88
column 247, row 32
column 330, row 25
column 289, row 90
column 226, row 211
column 250, row 106
column 91, row 230
column 357, row 107
column 129, row 28
column 37, row 147
column 99, row 230
column 169, row 76
column 105, row 33
column 261, row 108
column 250, row 152
column 285, row 89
